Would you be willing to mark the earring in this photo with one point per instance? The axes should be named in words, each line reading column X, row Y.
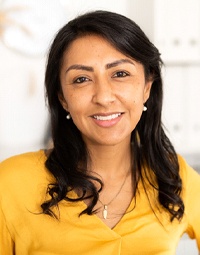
column 144, row 108
column 68, row 117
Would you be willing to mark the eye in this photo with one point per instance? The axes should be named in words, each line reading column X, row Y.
column 81, row 79
column 120, row 74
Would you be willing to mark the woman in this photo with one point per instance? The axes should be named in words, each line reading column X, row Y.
column 112, row 183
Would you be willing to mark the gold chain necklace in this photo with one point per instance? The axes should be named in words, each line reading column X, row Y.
column 105, row 206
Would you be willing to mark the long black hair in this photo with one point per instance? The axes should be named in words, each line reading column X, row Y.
column 153, row 153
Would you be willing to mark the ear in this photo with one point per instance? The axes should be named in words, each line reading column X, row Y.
column 147, row 90
column 62, row 101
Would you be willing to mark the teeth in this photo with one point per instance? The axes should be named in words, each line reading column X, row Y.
column 109, row 117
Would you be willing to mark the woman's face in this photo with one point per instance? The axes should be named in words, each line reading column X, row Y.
column 103, row 90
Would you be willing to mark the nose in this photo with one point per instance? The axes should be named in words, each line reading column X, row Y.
column 103, row 93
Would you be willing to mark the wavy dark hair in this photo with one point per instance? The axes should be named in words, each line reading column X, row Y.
column 151, row 147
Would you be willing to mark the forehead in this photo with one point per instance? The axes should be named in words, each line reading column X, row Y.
column 89, row 42
column 92, row 39
column 89, row 47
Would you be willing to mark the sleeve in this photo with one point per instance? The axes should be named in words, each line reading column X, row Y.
column 191, row 189
column 6, row 242
column 19, row 177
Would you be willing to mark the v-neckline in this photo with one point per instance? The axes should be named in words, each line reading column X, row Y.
column 117, row 225
column 96, row 218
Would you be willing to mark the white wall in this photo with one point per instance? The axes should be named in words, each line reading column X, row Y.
column 177, row 35
column 25, row 32
column 81, row 6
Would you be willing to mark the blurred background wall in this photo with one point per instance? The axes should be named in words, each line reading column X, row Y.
column 26, row 30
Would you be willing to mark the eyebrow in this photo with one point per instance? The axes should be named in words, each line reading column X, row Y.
column 80, row 67
column 91, row 69
column 118, row 62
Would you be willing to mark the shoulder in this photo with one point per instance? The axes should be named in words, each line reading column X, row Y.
column 187, row 173
column 21, row 162
column 24, row 168
column 24, row 158
column 190, row 183
column 23, row 182
column 190, row 195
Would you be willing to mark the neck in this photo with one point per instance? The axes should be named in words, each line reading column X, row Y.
column 110, row 161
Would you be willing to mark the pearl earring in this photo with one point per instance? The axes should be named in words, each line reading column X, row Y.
column 144, row 108
column 68, row 117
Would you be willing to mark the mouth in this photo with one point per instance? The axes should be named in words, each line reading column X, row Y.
column 107, row 117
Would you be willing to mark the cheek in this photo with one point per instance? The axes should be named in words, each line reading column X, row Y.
column 134, row 98
column 76, row 103
column 135, row 91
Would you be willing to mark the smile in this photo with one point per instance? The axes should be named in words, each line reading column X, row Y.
column 108, row 117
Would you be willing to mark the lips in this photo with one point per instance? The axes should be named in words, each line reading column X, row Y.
column 107, row 120
column 107, row 117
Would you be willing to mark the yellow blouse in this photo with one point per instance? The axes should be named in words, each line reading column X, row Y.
column 25, row 231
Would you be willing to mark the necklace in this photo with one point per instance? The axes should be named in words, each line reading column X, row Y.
column 105, row 206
